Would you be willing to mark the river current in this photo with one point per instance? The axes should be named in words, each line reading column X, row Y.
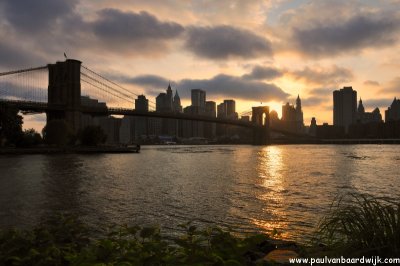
column 244, row 188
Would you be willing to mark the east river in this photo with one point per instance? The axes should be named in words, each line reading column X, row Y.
column 246, row 188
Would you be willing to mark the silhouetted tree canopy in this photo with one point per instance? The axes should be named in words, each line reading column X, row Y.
column 57, row 132
column 92, row 136
column 10, row 124
column 30, row 137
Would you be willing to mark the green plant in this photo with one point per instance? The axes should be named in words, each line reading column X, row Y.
column 51, row 243
column 64, row 241
column 10, row 124
column 360, row 224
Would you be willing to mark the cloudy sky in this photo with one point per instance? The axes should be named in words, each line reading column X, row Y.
column 249, row 50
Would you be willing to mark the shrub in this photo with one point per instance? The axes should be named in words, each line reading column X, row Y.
column 64, row 241
column 30, row 137
column 92, row 136
column 360, row 224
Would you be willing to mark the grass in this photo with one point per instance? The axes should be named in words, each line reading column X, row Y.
column 360, row 224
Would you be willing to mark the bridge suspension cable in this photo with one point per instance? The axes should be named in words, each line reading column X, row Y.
column 22, row 70
column 24, row 85
column 108, row 85
column 246, row 113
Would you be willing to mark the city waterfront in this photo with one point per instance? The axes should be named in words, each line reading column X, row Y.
column 246, row 188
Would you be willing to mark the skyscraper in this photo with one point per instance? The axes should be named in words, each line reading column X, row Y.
column 199, row 99
column 168, row 100
column 210, row 128
column 344, row 107
column 221, row 110
column 292, row 117
column 393, row 112
column 367, row 117
column 141, row 103
column 230, row 109
column 164, row 101
column 176, row 104
column 211, row 108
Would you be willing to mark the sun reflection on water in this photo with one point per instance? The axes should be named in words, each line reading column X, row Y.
column 270, row 169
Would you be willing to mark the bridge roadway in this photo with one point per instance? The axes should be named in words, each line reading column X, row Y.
column 40, row 107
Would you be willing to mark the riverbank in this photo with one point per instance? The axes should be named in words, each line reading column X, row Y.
column 66, row 150
column 136, row 149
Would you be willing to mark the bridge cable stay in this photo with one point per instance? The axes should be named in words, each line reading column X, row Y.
column 22, row 70
column 108, row 85
column 25, row 85
column 123, row 91
column 98, row 87
column 246, row 113
column 118, row 93
column 116, row 84
column 100, row 91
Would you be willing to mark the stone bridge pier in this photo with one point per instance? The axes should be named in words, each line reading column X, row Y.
column 260, row 117
column 65, row 91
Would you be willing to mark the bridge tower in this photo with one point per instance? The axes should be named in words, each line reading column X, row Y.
column 260, row 133
column 65, row 92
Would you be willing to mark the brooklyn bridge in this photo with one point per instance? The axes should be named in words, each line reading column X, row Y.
column 68, row 81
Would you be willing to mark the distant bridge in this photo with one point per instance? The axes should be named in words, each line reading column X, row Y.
column 60, row 98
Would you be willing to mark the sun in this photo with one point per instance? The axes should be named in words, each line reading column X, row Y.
column 276, row 106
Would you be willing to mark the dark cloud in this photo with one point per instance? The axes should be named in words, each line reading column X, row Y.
column 218, row 86
column 236, row 87
column 12, row 91
column 313, row 101
column 321, row 92
column 381, row 103
column 148, row 81
column 371, row 83
column 262, row 73
column 353, row 34
column 324, row 76
column 36, row 16
column 318, row 96
column 14, row 56
column 117, row 27
column 223, row 42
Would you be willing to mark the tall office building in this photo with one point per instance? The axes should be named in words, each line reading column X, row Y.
column 199, row 99
column 176, row 104
column 167, row 103
column 230, row 109
column 368, row 117
column 198, row 107
column 227, row 109
column 221, row 110
column 292, row 117
column 211, row 108
column 210, row 129
column 393, row 112
column 141, row 103
column 344, row 107
column 140, row 124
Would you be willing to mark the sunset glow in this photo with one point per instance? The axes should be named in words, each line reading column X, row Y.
column 251, row 51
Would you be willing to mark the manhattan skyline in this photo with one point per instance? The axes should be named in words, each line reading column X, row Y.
column 251, row 51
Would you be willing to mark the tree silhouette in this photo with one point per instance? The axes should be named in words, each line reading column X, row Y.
column 10, row 124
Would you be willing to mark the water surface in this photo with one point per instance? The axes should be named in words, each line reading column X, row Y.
column 245, row 188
